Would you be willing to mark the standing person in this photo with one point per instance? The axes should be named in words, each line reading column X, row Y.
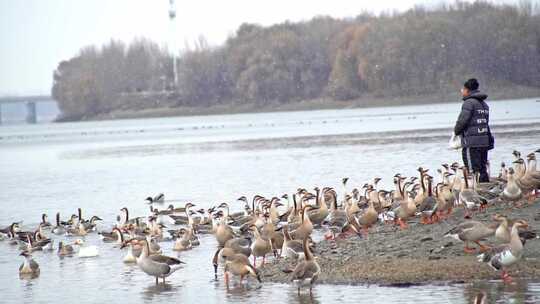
column 473, row 127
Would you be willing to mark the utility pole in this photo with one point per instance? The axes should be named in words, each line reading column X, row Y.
column 172, row 19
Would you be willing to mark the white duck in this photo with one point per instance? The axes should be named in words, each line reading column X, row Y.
column 86, row 251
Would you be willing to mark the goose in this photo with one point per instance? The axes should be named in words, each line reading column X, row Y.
column 11, row 232
column 293, row 216
column 519, row 167
column 500, row 257
column 86, row 251
column 273, row 211
column 405, row 210
column 445, row 196
column 158, row 199
column 238, row 264
column 131, row 255
column 64, row 250
column 223, row 232
column 428, row 207
column 206, row 217
column 170, row 210
column 59, row 229
column 512, row 192
column 31, row 245
column 468, row 198
column 337, row 218
column 268, row 231
column 125, row 219
column 39, row 235
column 114, row 236
column 422, row 192
column 291, row 248
column 91, row 224
column 306, row 271
column 503, row 232
column 317, row 216
column 158, row 266
column 240, row 245
column 236, row 246
column 399, row 193
column 369, row 217
column 44, row 221
column 71, row 221
column 471, row 231
column 344, row 183
column 530, row 181
column 11, row 229
column 457, row 182
column 78, row 217
column 79, row 231
column 184, row 243
column 29, row 266
column 502, row 172
column 306, row 227
column 156, row 229
column 260, row 247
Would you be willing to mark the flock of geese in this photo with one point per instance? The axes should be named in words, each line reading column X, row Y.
column 282, row 226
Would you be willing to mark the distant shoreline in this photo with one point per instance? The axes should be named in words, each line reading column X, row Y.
column 367, row 101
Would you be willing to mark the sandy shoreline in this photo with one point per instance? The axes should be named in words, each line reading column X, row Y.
column 418, row 255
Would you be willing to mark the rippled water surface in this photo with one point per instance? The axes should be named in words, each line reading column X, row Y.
column 104, row 166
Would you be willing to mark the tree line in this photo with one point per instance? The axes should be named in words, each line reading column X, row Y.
column 420, row 51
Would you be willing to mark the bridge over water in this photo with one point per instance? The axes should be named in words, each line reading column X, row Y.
column 30, row 102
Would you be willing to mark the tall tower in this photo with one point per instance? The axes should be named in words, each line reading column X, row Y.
column 172, row 19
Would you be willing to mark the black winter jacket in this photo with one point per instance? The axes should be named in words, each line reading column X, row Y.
column 473, row 122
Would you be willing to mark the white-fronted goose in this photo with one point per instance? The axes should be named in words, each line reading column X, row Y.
column 158, row 266
column 471, row 231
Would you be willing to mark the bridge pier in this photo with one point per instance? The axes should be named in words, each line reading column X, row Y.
column 31, row 112
column 0, row 114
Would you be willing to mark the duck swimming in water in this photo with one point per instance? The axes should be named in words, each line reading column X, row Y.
column 29, row 266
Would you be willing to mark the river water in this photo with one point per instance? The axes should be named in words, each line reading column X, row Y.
column 104, row 166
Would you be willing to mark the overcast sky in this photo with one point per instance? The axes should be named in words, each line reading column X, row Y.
column 37, row 34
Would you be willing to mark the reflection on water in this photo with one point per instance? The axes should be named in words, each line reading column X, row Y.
column 161, row 291
column 497, row 292
column 104, row 166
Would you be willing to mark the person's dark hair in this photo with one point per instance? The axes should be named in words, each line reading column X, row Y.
column 471, row 84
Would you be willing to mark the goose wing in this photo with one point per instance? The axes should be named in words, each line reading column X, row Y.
column 162, row 259
column 463, row 227
column 306, row 270
column 299, row 270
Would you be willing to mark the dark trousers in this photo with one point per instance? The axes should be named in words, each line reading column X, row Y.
column 476, row 159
